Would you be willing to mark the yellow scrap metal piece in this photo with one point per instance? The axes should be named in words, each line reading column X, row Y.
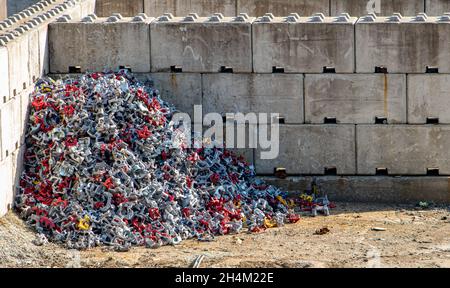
column 46, row 90
column 305, row 197
column 269, row 223
column 279, row 198
column 291, row 203
column 83, row 223
column 244, row 222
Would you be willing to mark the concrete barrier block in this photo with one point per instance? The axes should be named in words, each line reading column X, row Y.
column 355, row 98
column 100, row 45
column 241, row 132
column 402, row 44
column 127, row 8
column 283, row 7
column 10, row 127
column 403, row 149
column 182, row 7
column 373, row 189
column 255, row 93
column 4, row 75
column 428, row 97
column 303, row 44
column 17, row 164
column 309, row 149
column 88, row 7
column 19, row 76
column 156, row 8
column 437, row 7
column 6, row 187
column 201, row 44
column 382, row 7
column 43, row 50
column 184, row 90
column 34, row 63
column 24, row 99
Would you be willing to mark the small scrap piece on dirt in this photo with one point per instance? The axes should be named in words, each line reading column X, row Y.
column 378, row 229
column 322, row 231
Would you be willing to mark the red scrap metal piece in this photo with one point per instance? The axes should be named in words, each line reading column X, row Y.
column 154, row 213
column 71, row 142
column 293, row 218
column 39, row 103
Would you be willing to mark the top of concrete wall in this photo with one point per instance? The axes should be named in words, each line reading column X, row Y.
column 41, row 13
column 316, row 18
column 215, row 18
column 398, row 18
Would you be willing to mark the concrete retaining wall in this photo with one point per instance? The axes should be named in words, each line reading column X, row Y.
column 200, row 44
column 403, row 44
column 127, row 8
column 24, row 58
column 277, row 65
column 258, row 8
column 382, row 7
column 355, row 98
column 100, row 44
column 379, row 189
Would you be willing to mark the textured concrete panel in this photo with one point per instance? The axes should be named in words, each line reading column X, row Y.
column 3, row 10
column 100, row 45
column 355, row 98
column 24, row 99
column 385, row 7
column 87, row 7
column 7, row 184
column 428, row 97
column 201, row 45
column 10, row 131
column 437, row 7
column 283, row 7
column 184, row 90
column 43, row 50
column 407, row 46
column 4, row 75
column 400, row 190
column 34, row 63
column 184, row 7
column 127, row 8
column 403, row 149
column 255, row 93
column 303, row 46
column 308, row 149
column 19, row 76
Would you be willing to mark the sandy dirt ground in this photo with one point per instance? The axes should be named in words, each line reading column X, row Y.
column 412, row 237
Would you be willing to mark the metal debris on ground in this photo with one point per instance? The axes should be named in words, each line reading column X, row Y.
column 322, row 231
column 99, row 169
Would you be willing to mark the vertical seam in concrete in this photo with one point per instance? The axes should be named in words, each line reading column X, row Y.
column 150, row 44
column 354, row 47
column 251, row 48
column 356, row 149
column 406, row 100
column 202, row 89
column 236, row 7
column 425, row 6
column 304, row 98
